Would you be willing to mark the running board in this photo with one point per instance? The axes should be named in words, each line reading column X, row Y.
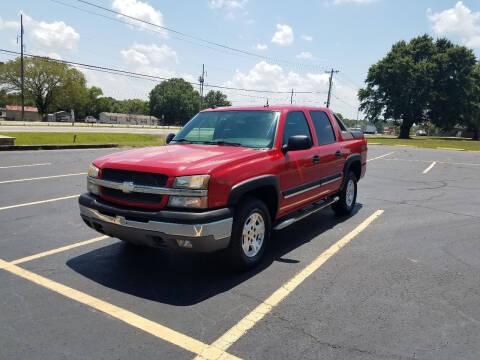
column 303, row 214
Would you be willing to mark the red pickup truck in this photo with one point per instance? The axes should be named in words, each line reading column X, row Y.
column 226, row 180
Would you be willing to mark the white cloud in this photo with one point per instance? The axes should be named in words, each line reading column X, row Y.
column 228, row 4
column 44, row 37
column 307, row 38
column 140, row 10
column 9, row 24
column 261, row 47
column 304, row 55
column 266, row 76
column 338, row 2
column 155, row 53
column 283, row 36
column 53, row 35
column 458, row 21
column 135, row 57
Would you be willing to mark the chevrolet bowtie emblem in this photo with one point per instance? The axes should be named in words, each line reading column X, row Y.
column 127, row 187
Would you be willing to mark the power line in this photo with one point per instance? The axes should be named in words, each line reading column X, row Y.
column 216, row 44
column 152, row 77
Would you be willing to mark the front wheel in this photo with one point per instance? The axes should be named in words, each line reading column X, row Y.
column 348, row 196
column 250, row 234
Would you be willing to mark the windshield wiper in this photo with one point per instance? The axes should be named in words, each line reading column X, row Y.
column 186, row 141
column 221, row 142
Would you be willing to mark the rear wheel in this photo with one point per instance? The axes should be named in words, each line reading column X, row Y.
column 250, row 234
column 348, row 196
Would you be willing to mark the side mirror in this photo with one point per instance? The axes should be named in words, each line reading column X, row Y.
column 169, row 138
column 297, row 142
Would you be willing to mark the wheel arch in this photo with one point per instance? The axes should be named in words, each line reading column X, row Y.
column 265, row 188
column 353, row 163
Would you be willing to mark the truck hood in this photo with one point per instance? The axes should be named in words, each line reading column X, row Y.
column 179, row 159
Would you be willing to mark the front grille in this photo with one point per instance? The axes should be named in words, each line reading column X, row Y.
column 132, row 197
column 138, row 178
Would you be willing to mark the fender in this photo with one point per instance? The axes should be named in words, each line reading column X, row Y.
column 249, row 185
column 348, row 162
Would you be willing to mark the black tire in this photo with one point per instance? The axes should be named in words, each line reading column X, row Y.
column 237, row 258
column 345, row 205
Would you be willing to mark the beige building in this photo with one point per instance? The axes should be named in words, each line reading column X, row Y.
column 127, row 119
column 14, row 112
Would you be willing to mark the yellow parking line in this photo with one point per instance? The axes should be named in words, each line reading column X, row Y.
column 57, row 250
column 38, row 202
column 162, row 332
column 244, row 325
column 26, row 165
column 41, row 178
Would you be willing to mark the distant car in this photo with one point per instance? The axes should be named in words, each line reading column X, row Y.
column 421, row 133
column 90, row 119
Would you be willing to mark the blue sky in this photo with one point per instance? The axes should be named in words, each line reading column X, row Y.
column 300, row 39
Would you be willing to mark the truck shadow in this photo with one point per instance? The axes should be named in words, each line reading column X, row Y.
column 187, row 279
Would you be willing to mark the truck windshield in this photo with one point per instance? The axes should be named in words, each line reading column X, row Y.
column 248, row 128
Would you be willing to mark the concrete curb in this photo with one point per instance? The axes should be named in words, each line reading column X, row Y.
column 55, row 147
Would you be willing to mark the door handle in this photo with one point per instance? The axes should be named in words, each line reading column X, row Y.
column 338, row 154
column 316, row 159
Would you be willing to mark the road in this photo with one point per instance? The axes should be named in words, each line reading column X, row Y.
column 400, row 285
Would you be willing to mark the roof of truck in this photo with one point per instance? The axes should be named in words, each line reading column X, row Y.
column 267, row 108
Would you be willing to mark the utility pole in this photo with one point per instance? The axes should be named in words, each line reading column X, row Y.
column 201, row 80
column 21, row 65
column 330, row 85
column 291, row 98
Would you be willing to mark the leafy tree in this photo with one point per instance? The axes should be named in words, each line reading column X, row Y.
column 454, row 83
column 400, row 85
column 215, row 98
column 472, row 119
column 175, row 99
column 44, row 80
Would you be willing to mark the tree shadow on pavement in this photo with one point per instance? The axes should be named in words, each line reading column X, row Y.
column 183, row 279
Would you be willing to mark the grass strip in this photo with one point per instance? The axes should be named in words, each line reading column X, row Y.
column 432, row 142
column 43, row 138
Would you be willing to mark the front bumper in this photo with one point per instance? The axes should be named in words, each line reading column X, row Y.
column 201, row 232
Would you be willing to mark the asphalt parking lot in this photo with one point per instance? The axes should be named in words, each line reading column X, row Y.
column 399, row 279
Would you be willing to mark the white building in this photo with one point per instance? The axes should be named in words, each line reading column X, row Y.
column 127, row 119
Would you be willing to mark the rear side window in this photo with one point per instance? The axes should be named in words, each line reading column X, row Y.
column 340, row 123
column 323, row 127
column 295, row 124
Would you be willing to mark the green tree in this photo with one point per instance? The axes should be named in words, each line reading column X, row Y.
column 399, row 86
column 44, row 80
column 472, row 119
column 215, row 98
column 175, row 99
column 454, row 82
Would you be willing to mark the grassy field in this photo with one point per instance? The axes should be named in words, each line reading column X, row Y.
column 427, row 142
column 41, row 138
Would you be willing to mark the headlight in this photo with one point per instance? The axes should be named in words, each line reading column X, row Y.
column 191, row 182
column 192, row 202
column 93, row 171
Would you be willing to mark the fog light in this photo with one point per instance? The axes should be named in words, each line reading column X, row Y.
column 185, row 243
column 92, row 188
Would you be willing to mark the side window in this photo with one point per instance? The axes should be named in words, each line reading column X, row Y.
column 345, row 133
column 295, row 124
column 323, row 127
column 340, row 123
